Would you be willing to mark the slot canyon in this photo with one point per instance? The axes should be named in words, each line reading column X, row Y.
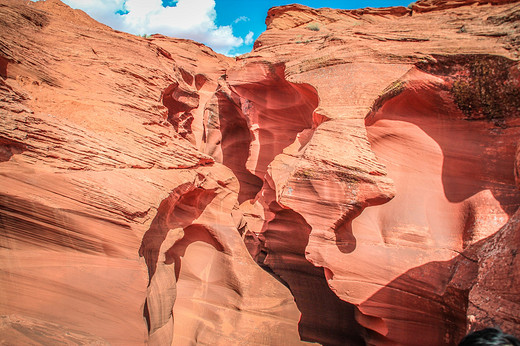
column 353, row 180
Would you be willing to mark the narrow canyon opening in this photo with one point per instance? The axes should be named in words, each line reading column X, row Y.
column 259, row 114
column 250, row 121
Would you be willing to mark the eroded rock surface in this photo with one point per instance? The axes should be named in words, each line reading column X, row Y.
column 352, row 180
column 398, row 207
column 100, row 165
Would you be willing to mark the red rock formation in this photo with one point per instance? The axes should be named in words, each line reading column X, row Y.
column 353, row 180
column 254, row 118
column 403, row 249
column 493, row 300
column 95, row 167
column 464, row 180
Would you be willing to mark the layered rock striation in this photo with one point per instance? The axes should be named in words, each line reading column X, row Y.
column 352, row 180
column 99, row 136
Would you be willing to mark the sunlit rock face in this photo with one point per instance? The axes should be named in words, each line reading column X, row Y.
column 99, row 163
column 353, row 180
column 406, row 179
column 454, row 188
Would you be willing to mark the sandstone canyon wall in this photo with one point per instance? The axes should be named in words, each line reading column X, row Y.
column 353, row 180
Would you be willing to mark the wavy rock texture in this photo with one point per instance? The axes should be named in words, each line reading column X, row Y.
column 99, row 164
column 464, row 180
column 397, row 209
column 352, row 180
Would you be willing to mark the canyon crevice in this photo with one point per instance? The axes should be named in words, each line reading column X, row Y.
column 353, row 180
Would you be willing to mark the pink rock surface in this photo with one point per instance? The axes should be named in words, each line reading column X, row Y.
column 493, row 300
column 395, row 215
column 454, row 187
column 352, row 180
column 97, row 166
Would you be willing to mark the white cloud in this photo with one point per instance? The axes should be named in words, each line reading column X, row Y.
column 241, row 19
column 192, row 19
column 249, row 38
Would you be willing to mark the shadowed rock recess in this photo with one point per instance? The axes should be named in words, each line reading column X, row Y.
column 354, row 180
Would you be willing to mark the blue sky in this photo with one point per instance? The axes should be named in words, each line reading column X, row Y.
column 227, row 26
column 256, row 10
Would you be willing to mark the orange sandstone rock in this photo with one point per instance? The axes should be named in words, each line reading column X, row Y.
column 99, row 165
column 396, row 213
column 352, row 180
